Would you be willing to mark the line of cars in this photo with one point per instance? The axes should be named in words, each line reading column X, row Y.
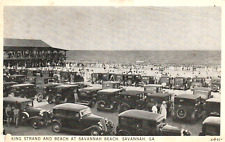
column 179, row 83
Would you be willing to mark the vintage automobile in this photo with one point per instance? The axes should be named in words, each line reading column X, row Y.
column 131, row 99
column 64, row 93
column 79, row 118
column 7, row 88
column 158, row 98
column 198, row 82
column 180, row 83
column 45, row 90
column 110, row 84
column 153, row 88
column 216, row 84
column 211, row 126
column 166, row 82
column 88, row 96
column 96, row 78
column 107, row 99
column 205, row 93
column 120, row 78
column 212, row 107
column 24, row 90
column 187, row 107
column 28, row 114
column 17, row 78
column 132, row 79
column 147, row 80
column 144, row 123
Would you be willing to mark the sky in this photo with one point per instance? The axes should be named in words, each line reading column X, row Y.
column 117, row 28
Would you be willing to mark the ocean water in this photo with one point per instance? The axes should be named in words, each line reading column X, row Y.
column 202, row 57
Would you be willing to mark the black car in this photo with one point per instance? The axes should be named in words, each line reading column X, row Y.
column 64, row 93
column 28, row 114
column 132, row 79
column 198, row 82
column 216, row 84
column 17, row 78
column 78, row 118
column 211, row 126
column 180, row 83
column 7, row 88
column 212, row 107
column 158, row 98
column 131, row 99
column 88, row 96
column 187, row 107
column 166, row 82
column 147, row 80
column 96, row 78
column 153, row 88
column 107, row 99
column 110, row 84
column 24, row 90
column 144, row 123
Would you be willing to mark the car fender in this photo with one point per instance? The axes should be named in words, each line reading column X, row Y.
column 26, row 113
column 125, row 131
column 56, row 120
column 94, row 126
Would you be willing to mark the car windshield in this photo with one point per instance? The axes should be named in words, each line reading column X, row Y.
column 85, row 112
column 26, row 104
column 179, row 80
column 164, row 79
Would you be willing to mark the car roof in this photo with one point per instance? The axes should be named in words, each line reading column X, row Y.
column 90, row 88
column 153, row 85
column 131, row 92
column 113, row 82
column 109, row 90
column 212, row 120
column 66, row 86
column 187, row 96
column 70, row 106
column 17, row 75
column 141, row 114
column 25, row 84
column 159, row 94
column 16, row 99
column 217, row 100
column 9, row 83
column 202, row 88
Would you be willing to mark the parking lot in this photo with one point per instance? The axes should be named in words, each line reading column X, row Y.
column 28, row 130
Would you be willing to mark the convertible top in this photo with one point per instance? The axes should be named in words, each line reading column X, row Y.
column 16, row 99
column 70, row 106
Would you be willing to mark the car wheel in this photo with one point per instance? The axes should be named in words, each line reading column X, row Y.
column 95, row 132
column 24, row 118
column 92, row 104
column 56, row 127
column 35, row 124
column 181, row 113
column 124, row 107
column 39, row 97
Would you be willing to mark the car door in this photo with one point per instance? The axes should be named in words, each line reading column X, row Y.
column 74, row 121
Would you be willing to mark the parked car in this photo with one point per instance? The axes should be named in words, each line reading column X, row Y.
column 7, row 88
column 198, row 82
column 158, row 98
column 153, row 88
column 79, row 118
column 29, row 115
column 24, row 90
column 180, row 83
column 17, row 78
column 212, row 107
column 166, row 82
column 96, row 78
column 110, row 84
column 64, row 93
column 187, row 107
column 120, row 78
column 88, row 96
column 205, row 93
column 147, row 80
column 132, row 79
column 215, row 85
column 144, row 123
column 131, row 99
column 107, row 99
column 211, row 126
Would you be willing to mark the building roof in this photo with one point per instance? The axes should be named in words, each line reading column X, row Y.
column 17, row 44
column 216, row 100
column 16, row 99
column 141, row 114
column 131, row 92
column 70, row 106
column 212, row 120
column 187, row 96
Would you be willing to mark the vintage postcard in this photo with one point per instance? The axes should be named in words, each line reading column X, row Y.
column 112, row 71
